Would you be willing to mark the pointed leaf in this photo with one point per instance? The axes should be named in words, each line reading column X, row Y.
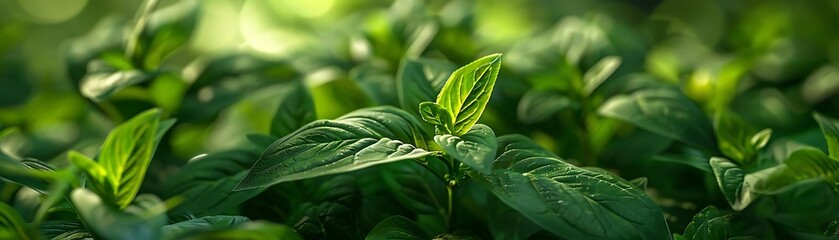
column 730, row 179
column 296, row 109
column 598, row 73
column 127, row 152
column 143, row 220
column 571, row 202
column 397, row 227
column 830, row 128
column 664, row 112
column 467, row 91
column 476, row 148
column 357, row 140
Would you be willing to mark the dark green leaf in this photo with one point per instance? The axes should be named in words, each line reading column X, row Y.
column 296, row 109
column 458, row 235
column 665, row 112
column 476, row 148
column 737, row 139
column 11, row 221
column 569, row 201
column 536, row 106
column 468, row 90
column 397, row 227
column 419, row 80
column 17, row 172
column 256, row 230
column 830, row 128
column 730, row 179
column 142, row 220
column 63, row 229
column 181, row 229
column 357, row 140
column 207, row 183
column 803, row 165
column 712, row 223
column 415, row 187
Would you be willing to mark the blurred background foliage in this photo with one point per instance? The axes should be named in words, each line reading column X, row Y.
column 772, row 63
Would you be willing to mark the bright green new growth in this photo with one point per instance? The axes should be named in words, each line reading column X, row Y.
column 464, row 96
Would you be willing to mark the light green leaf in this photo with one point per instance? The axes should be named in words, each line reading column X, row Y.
column 569, row 201
column 665, row 112
column 737, row 139
column 296, row 109
column 167, row 30
column 467, row 91
column 397, row 227
column 438, row 116
column 536, row 106
column 730, row 179
column 127, row 152
column 142, row 220
column 476, row 148
column 806, row 164
column 182, row 229
column 357, row 140
column 102, row 80
column 598, row 73
column 255, row 230
column 830, row 128
column 419, row 80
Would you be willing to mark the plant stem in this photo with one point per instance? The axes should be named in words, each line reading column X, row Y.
column 450, row 193
column 140, row 20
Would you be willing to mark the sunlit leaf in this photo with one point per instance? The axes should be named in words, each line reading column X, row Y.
column 467, row 91
column 476, row 148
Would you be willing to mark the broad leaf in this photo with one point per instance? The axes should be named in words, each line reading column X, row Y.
column 665, row 112
column 296, row 109
column 803, row 165
column 737, row 139
column 419, row 80
column 357, row 140
column 712, row 223
column 570, row 201
column 206, row 183
column 598, row 73
column 142, row 220
column 415, row 187
column 180, row 230
column 476, row 148
column 830, row 128
column 397, row 227
column 730, row 179
column 127, row 152
column 467, row 92
column 536, row 106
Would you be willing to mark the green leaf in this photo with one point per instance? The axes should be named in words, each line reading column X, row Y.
column 142, row 220
column 737, row 139
column 415, row 187
column 467, row 92
column 63, row 229
column 730, row 179
column 438, row 116
column 458, row 235
column 830, row 128
column 570, row 201
column 712, row 223
column 182, row 229
column 255, row 230
column 167, row 30
column 419, row 80
column 18, row 172
column 397, row 227
column 598, row 73
column 536, row 106
column 664, row 112
column 807, row 164
column 476, row 148
column 127, row 152
column 98, row 176
column 103, row 80
column 357, row 140
column 12, row 221
column 206, row 183
column 832, row 230
column 296, row 109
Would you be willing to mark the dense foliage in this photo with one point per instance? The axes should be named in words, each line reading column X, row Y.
column 410, row 120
